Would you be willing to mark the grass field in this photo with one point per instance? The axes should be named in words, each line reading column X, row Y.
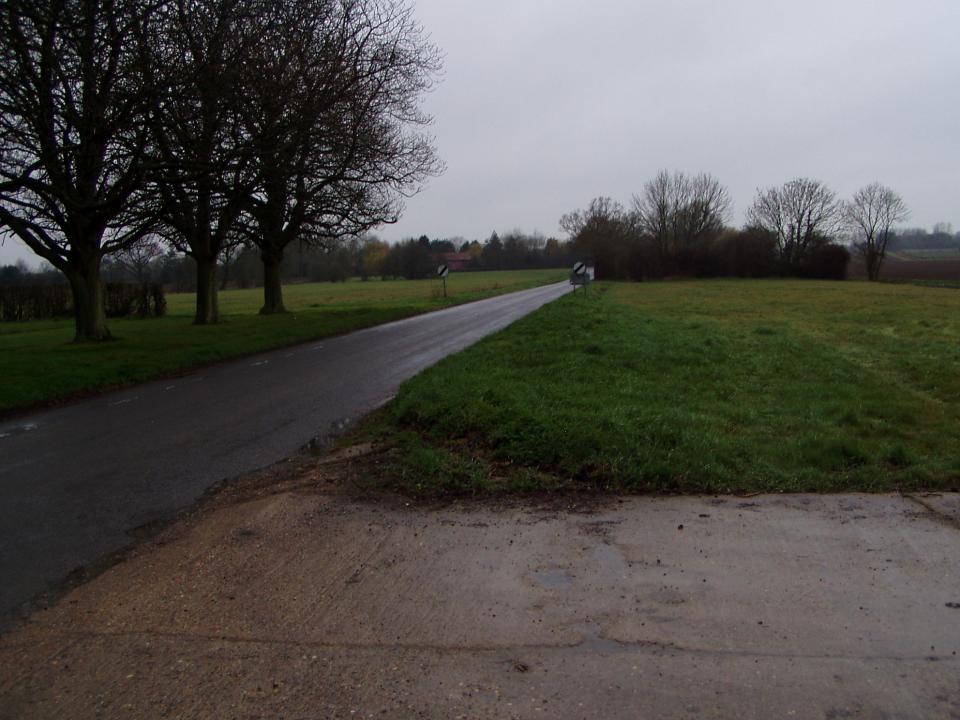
column 707, row 386
column 933, row 254
column 39, row 363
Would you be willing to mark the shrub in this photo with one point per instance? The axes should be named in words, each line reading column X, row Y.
column 140, row 299
column 826, row 262
column 34, row 302
column 750, row 253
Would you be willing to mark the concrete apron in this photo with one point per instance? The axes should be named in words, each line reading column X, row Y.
column 313, row 606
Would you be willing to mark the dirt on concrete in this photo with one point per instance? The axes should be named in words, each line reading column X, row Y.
column 291, row 595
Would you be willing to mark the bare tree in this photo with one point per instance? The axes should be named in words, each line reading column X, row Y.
column 333, row 115
column 676, row 212
column 200, row 59
column 603, row 231
column 136, row 258
column 73, row 144
column 870, row 216
column 800, row 213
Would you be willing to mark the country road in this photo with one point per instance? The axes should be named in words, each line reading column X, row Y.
column 75, row 481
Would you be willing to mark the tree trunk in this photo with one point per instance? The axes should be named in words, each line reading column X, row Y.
column 272, row 289
column 876, row 266
column 207, row 311
column 88, row 310
column 225, row 277
column 873, row 265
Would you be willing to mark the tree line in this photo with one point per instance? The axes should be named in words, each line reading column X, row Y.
column 365, row 257
column 208, row 124
column 678, row 226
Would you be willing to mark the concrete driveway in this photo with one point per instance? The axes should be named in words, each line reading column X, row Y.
column 303, row 601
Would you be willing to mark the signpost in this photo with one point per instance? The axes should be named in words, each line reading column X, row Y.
column 579, row 276
column 442, row 272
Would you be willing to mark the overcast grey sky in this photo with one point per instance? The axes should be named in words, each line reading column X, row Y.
column 545, row 105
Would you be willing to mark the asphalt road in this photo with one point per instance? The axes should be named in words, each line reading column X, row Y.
column 76, row 482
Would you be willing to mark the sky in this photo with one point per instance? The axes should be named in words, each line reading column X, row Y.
column 544, row 105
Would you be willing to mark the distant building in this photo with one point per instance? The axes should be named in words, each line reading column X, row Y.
column 457, row 260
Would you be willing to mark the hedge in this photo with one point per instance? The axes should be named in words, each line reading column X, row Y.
column 45, row 302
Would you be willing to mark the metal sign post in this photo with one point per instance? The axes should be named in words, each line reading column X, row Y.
column 442, row 272
column 579, row 276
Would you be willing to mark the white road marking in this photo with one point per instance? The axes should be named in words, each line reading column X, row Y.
column 16, row 430
column 169, row 387
column 317, row 347
column 124, row 401
column 257, row 364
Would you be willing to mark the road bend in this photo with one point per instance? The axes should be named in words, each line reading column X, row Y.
column 76, row 480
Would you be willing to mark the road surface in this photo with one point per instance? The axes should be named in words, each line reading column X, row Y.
column 75, row 481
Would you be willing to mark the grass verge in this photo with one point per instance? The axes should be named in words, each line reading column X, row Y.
column 40, row 364
column 708, row 386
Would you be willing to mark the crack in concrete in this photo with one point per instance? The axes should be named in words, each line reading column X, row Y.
column 589, row 642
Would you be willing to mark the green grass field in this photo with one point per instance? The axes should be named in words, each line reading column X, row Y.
column 39, row 363
column 706, row 386
column 934, row 254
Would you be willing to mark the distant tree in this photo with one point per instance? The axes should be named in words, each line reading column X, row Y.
column 604, row 233
column 137, row 258
column 677, row 213
column 12, row 274
column 797, row 213
column 442, row 246
column 870, row 216
column 374, row 254
column 492, row 253
column 476, row 252
column 410, row 259
column 73, row 140
column 227, row 261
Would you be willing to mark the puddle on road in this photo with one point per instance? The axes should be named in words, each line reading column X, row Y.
column 612, row 566
column 553, row 579
column 594, row 642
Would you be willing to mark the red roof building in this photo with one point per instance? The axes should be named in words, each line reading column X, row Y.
column 457, row 260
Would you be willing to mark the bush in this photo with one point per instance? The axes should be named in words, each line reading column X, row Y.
column 34, row 302
column 826, row 262
column 749, row 253
column 140, row 299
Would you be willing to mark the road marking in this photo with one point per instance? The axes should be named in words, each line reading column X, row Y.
column 18, row 430
column 169, row 387
column 317, row 347
column 124, row 401
column 257, row 364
